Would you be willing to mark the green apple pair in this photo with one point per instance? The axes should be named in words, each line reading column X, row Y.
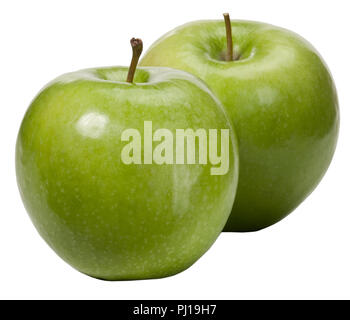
column 119, row 221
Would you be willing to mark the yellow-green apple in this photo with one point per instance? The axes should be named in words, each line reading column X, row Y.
column 141, row 216
column 279, row 95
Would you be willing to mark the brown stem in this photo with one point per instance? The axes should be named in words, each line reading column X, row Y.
column 136, row 45
column 229, row 52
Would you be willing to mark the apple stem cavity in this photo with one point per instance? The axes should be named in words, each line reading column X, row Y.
column 229, row 52
column 137, row 46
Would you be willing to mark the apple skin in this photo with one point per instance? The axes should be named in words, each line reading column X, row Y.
column 110, row 220
column 282, row 101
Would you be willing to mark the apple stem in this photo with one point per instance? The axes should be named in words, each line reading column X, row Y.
column 136, row 45
column 229, row 52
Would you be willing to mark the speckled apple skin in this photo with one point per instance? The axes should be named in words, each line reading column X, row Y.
column 282, row 101
column 107, row 219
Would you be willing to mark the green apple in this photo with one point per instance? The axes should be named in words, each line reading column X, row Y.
column 107, row 218
column 281, row 99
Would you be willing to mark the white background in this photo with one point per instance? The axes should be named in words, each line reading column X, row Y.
column 304, row 256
